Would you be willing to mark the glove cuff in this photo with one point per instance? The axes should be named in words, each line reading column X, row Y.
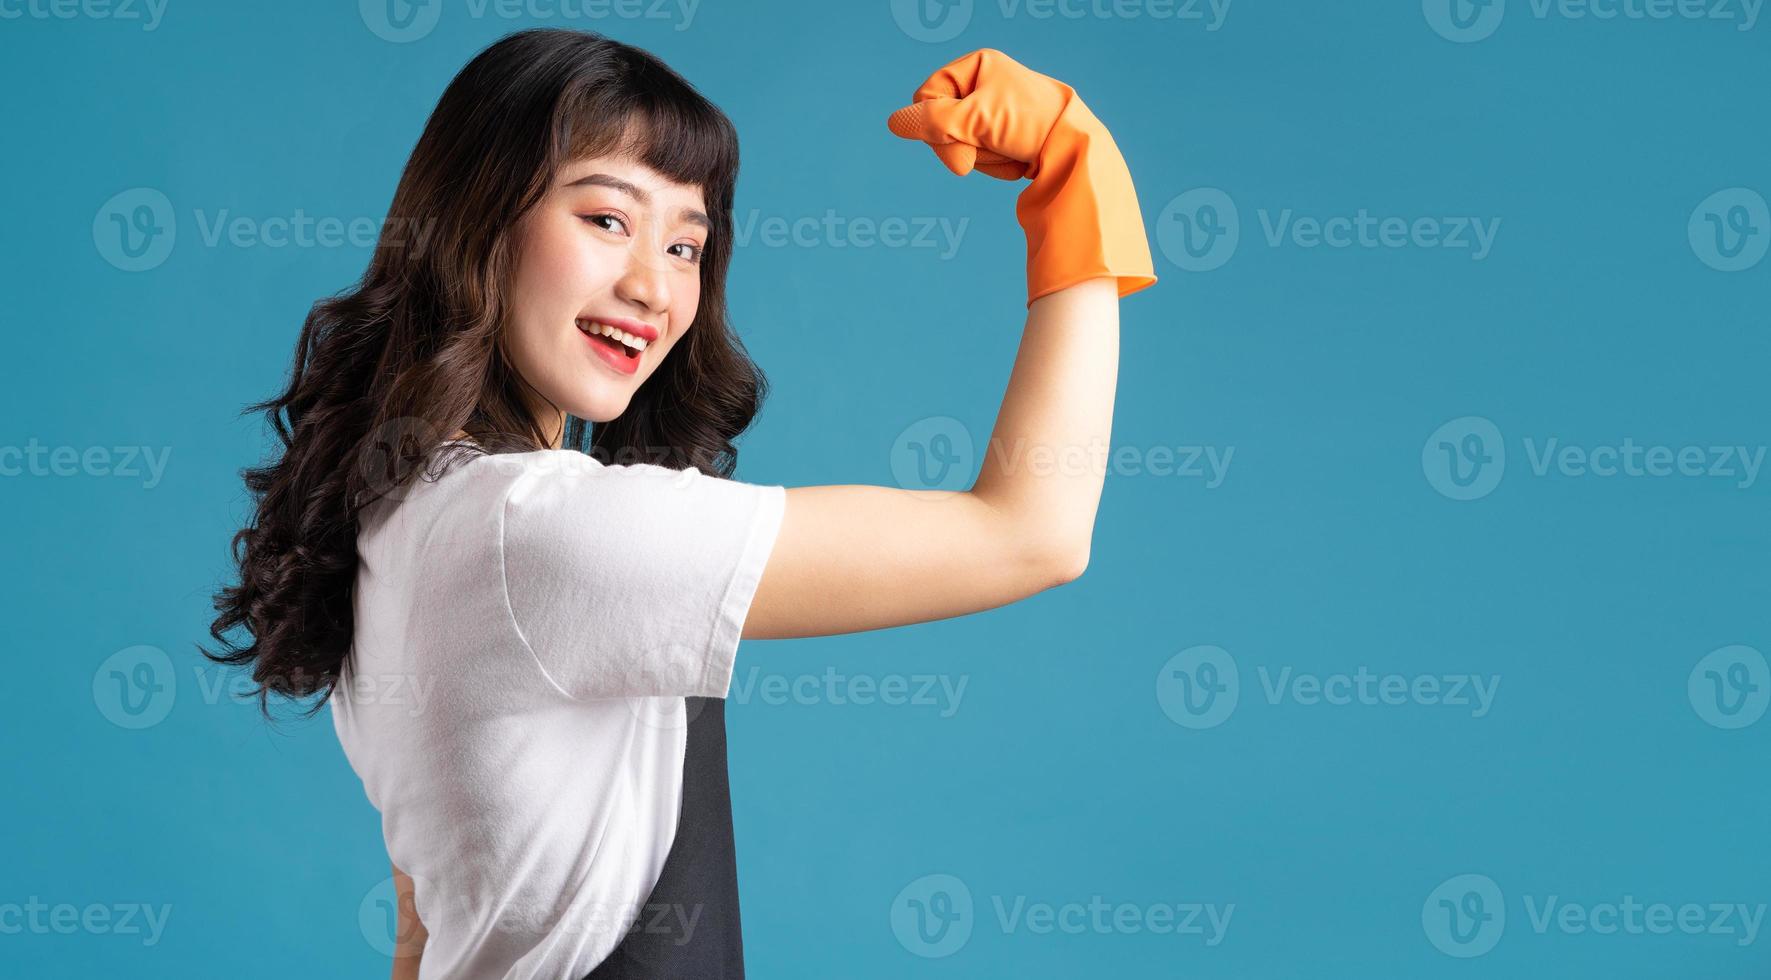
column 1080, row 213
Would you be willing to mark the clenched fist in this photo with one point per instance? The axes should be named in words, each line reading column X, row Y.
column 988, row 111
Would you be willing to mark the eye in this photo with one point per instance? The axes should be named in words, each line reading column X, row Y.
column 594, row 218
column 695, row 251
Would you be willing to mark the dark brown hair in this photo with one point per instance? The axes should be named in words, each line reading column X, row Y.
column 386, row 371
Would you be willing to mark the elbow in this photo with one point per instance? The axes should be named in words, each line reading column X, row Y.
column 1063, row 565
column 1077, row 564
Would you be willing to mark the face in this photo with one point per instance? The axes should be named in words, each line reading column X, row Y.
column 612, row 247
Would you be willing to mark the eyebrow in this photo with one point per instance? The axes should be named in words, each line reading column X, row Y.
column 605, row 180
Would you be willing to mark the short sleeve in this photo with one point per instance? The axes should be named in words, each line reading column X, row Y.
column 633, row 580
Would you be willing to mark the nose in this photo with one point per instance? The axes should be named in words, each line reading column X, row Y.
column 646, row 280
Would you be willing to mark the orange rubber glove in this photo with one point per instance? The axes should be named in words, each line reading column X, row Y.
column 1080, row 213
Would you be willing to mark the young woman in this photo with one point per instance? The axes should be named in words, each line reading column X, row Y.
column 502, row 540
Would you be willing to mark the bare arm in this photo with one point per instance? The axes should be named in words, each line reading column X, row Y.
column 851, row 558
column 410, row 934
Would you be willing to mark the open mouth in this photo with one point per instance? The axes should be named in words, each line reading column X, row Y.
column 619, row 341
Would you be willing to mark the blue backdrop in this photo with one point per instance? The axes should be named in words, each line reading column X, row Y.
column 1425, row 628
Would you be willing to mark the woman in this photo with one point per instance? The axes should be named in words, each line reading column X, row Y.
column 502, row 541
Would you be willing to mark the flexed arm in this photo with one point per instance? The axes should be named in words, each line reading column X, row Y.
column 851, row 558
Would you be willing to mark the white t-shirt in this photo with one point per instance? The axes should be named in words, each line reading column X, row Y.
column 527, row 626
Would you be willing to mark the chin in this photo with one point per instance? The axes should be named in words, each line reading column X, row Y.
column 602, row 407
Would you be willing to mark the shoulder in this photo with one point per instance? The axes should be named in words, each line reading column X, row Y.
column 565, row 492
column 539, row 483
column 547, row 497
column 533, row 482
column 458, row 494
column 519, row 478
column 565, row 504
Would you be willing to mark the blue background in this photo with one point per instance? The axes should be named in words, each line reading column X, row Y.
column 1328, row 546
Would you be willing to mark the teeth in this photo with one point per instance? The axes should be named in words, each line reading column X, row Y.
column 623, row 336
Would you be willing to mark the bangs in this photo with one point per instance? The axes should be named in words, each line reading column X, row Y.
column 657, row 120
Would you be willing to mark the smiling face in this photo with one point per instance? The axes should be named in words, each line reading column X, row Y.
column 613, row 246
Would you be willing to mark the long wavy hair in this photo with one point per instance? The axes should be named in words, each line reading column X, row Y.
column 387, row 371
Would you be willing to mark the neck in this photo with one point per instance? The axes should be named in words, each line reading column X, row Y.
column 556, row 432
column 550, row 418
